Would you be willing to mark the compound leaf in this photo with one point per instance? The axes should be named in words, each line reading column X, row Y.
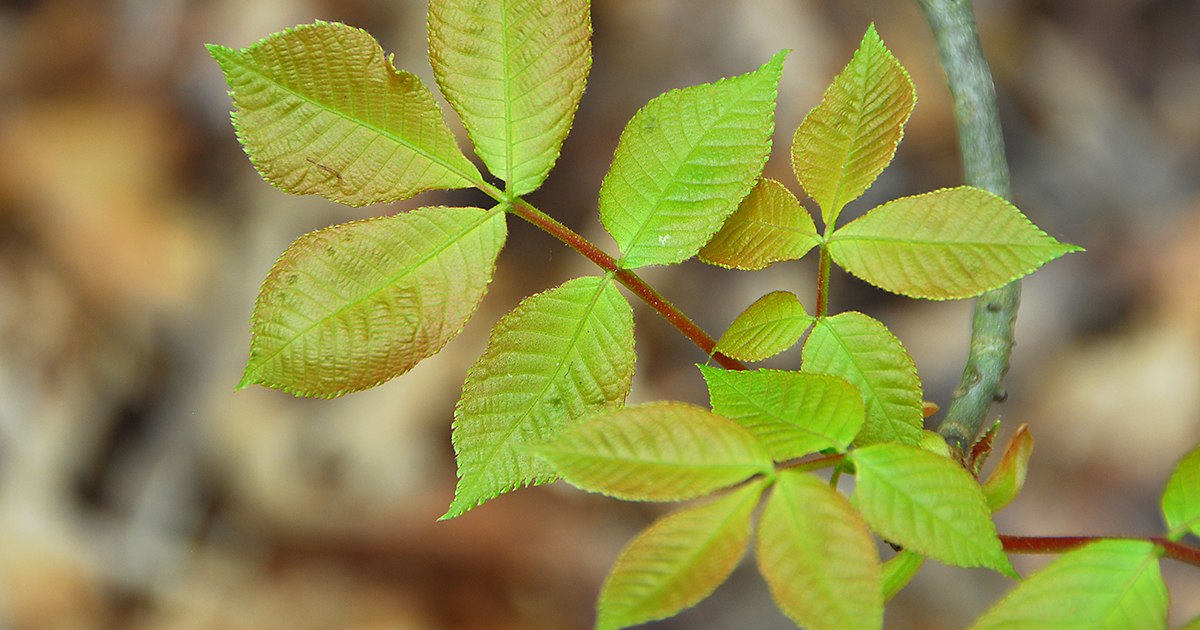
column 678, row 561
column 683, row 164
column 818, row 557
column 846, row 141
column 793, row 413
column 657, row 452
column 1107, row 585
column 770, row 325
column 862, row 351
column 350, row 306
column 929, row 504
column 514, row 71
column 948, row 244
column 320, row 110
column 1181, row 498
column 769, row 225
column 559, row 356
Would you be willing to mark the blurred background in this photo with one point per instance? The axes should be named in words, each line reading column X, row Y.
column 137, row 490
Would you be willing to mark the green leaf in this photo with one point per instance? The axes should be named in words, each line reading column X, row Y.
column 321, row 110
column 1192, row 625
column 678, row 561
column 657, row 452
column 684, row 163
column 794, row 414
column 558, row 357
column 350, row 306
column 948, row 244
column 1181, row 498
column 818, row 557
column 846, row 141
column 768, row 226
column 862, row 351
column 1107, row 585
column 769, row 326
column 929, row 504
column 899, row 571
column 1008, row 477
column 514, row 72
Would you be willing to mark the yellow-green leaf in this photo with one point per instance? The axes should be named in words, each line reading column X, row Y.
column 948, row 244
column 846, row 141
column 557, row 358
column 818, row 557
column 678, row 561
column 929, row 504
column 770, row 325
column 793, row 413
column 1107, row 585
column 514, row 71
column 684, row 163
column 1181, row 498
column 863, row 351
column 657, row 452
column 769, row 225
column 321, row 110
column 350, row 306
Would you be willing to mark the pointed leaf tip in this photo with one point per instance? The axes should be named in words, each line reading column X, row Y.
column 952, row 243
column 559, row 357
column 846, row 141
column 321, row 110
column 684, row 163
column 350, row 306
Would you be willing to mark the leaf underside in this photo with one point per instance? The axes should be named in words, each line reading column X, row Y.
column 818, row 557
column 559, row 356
column 948, row 244
column 793, row 413
column 861, row 350
column 846, row 141
column 683, row 164
column 1107, row 585
column 320, row 110
column 769, row 226
column 678, row 561
column 772, row 324
column 657, row 452
column 514, row 71
column 929, row 504
column 1181, row 497
column 350, row 306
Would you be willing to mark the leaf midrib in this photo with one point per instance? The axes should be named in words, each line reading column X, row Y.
column 237, row 57
column 391, row 281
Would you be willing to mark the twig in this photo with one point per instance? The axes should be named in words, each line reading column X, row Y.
column 984, row 166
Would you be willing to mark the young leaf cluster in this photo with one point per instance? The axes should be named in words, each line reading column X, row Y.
column 321, row 110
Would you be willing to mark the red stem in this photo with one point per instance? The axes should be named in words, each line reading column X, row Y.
column 1063, row 544
column 628, row 278
column 823, row 282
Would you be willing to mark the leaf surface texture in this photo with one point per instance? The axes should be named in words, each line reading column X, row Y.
column 678, row 561
column 769, row 226
column 350, row 306
column 514, row 70
column 320, row 110
column 684, row 163
column 559, row 356
column 657, row 452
